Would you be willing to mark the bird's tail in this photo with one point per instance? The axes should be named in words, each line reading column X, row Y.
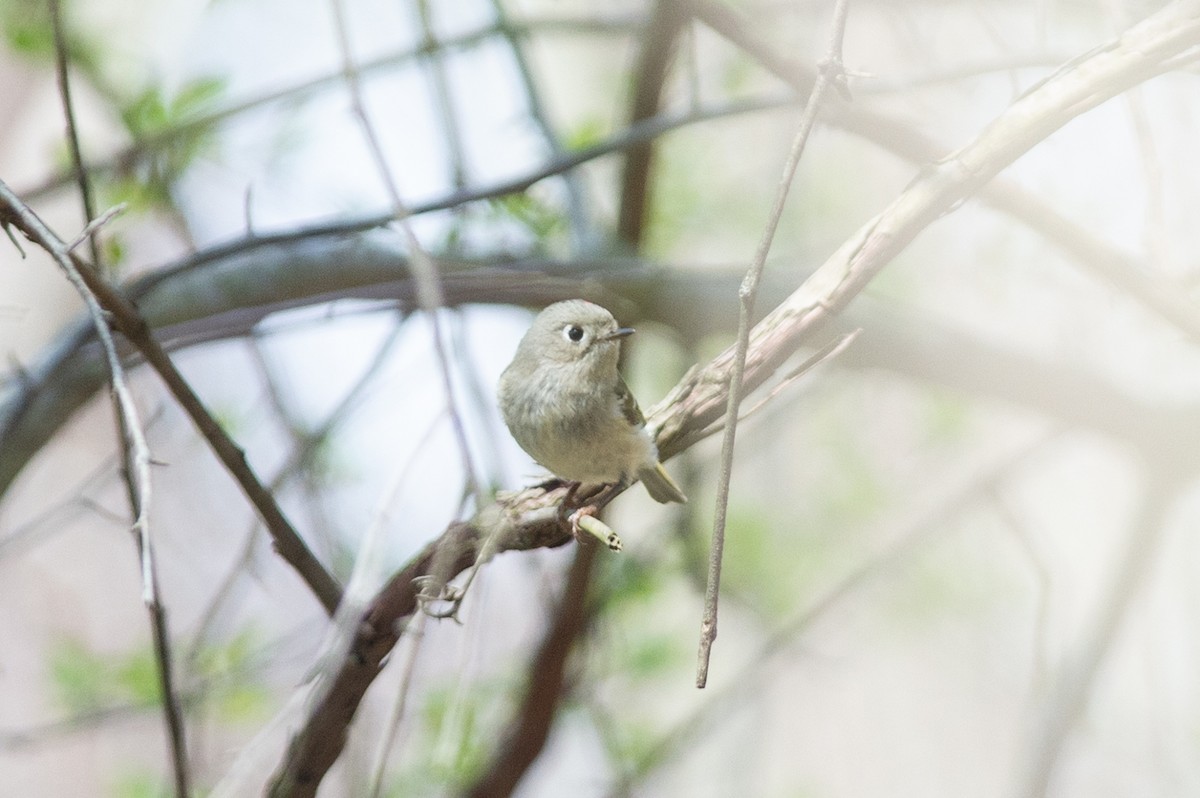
column 660, row 486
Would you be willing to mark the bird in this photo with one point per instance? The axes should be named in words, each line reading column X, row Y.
column 564, row 401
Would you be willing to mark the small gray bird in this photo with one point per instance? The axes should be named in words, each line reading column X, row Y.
column 565, row 402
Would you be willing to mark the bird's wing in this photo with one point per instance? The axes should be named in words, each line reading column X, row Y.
column 629, row 405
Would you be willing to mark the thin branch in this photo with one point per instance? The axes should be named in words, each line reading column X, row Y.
column 133, row 326
column 129, row 157
column 929, row 519
column 650, row 74
column 1077, row 676
column 430, row 296
column 134, row 450
column 830, row 73
column 136, row 456
column 62, row 72
column 576, row 195
column 526, row 734
column 415, row 636
column 1141, row 53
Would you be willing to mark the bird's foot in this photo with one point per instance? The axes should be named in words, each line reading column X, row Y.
column 449, row 596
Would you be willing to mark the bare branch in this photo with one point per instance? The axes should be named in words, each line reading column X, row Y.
column 528, row 519
column 650, row 73
column 430, row 296
column 135, row 456
column 133, row 326
column 1076, row 677
column 546, row 683
column 830, row 74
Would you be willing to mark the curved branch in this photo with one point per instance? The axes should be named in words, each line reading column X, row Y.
column 697, row 401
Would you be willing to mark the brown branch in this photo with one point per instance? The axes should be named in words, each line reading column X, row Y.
column 528, row 519
column 128, row 158
column 659, row 40
column 518, row 522
column 135, row 454
column 523, row 740
column 126, row 317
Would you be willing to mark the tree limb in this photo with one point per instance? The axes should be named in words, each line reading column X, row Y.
column 696, row 402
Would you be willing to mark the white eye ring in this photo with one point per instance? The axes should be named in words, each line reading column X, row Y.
column 573, row 333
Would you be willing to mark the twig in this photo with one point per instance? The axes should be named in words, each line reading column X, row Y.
column 133, row 440
column 1142, row 52
column 126, row 317
column 130, row 156
column 61, row 69
column 428, row 282
column 546, row 683
column 415, row 635
column 830, row 73
column 95, row 224
column 574, row 182
column 927, row 521
column 1077, row 675
column 135, row 453
column 825, row 353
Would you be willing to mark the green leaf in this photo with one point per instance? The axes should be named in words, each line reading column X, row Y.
column 588, row 133
column 81, row 680
column 139, row 785
column 137, row 678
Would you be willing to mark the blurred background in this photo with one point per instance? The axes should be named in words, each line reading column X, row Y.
column 961, row 556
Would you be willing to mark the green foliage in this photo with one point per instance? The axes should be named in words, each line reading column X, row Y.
column 26, row 25
column 28, row 33
column 84, row 681
column 465, row 759
column 227, row 669
column 634, row 590
column 153, row 113
column 947, row 416
column 173, row 131
column 451, row 747
column 539, row 218
column 770, row 560
column 139, row 785
column 588, row 133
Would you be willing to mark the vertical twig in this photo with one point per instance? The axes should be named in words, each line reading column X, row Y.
column 126, row 317
column 135, row 452
column 138, row 476
column 831, row 70
column 62, row 58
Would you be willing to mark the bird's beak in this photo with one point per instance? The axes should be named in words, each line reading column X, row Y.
column 620, row 332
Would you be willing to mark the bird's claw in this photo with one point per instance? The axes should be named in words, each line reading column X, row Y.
column 450, row 594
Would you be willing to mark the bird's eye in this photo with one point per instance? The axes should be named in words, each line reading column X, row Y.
column 573, row 332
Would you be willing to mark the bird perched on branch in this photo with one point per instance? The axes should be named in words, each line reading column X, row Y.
column 565, row 403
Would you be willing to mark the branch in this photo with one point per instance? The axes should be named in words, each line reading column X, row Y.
column 654, row 61
column 1141, row 53
column 832, row 71
column 526, row 735
column 516, row 522
column 528, row 519
column 133, row 326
